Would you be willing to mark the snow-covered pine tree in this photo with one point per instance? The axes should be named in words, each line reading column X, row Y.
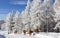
column 35, row 14
column 47, row 16
column 26, row 17
column 9, row 22
column 57, row 15
column 18, row 22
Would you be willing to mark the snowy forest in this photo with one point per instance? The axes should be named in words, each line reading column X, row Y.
column 37, row 17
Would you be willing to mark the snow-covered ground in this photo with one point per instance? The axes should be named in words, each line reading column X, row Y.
column 47, row 35
column 40, row 35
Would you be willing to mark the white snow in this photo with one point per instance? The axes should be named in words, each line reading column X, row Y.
column 40, row 35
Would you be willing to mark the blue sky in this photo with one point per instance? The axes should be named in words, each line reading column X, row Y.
column 7, row 6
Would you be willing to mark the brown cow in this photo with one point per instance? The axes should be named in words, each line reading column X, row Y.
column 24, row 31
column 37, row 30
column 30, row 32
column 15, row 32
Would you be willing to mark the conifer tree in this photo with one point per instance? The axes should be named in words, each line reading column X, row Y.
column 9, row 22
column 26, row 17
column 18, row 22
